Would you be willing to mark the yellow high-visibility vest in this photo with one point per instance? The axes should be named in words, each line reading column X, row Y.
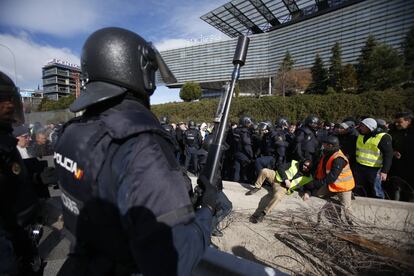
column 368, row 153
column 295, row 182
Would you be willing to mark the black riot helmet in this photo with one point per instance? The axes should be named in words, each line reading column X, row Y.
column 116, row 60
column 245, row 121
column 192, row 125
column 11, row 108
column 331, row 140
column 265, row 125
column 164, row 120
column 282, row 123
column 312, row 121
column 332, row 144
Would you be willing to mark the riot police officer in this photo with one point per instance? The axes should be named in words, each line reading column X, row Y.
column 265, row 149
column 193, row 142
column 165, row 123
column 243, row 152
column 306, row 141
column 18, row 200
column 125, row 196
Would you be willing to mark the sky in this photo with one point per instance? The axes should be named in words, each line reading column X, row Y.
column 32, row 32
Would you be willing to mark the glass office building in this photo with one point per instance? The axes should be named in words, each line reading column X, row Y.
column 303, row 28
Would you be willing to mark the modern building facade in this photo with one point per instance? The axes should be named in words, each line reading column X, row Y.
column 31, row 98
column 60, row 79
column 302, row 27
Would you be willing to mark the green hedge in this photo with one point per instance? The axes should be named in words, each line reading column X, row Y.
column 50, row 105
column 334, row 107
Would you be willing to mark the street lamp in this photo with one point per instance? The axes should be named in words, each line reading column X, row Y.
column 14, row 61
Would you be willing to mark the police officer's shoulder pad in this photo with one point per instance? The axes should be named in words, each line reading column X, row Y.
column 95, row 92
column 129, row 122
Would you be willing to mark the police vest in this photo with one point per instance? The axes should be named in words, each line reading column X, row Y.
column 241, row 138
column 191, row 138
column 368, row 153
column 80, row 152
column 345, row 181
column 295, row 180
column 310, row 142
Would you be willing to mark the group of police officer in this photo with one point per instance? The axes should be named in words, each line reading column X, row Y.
column 269, row 147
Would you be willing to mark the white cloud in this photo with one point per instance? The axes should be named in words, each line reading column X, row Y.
column 187, row 25
column 57, row 17
column 30, row 58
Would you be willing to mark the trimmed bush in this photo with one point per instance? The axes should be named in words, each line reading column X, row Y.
column 333, row 107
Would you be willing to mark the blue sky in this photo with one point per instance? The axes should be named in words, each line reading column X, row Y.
column 37, row 31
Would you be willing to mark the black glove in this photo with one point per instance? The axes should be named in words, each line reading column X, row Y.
column 209, row 198
column 48, row 176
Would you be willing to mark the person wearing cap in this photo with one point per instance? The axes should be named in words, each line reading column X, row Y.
column 347, row 135
column 333, row 176
column 288, row 177
column 22, row 135
column 374, row 158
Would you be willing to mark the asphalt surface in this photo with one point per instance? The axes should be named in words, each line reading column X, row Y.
column 53, row 247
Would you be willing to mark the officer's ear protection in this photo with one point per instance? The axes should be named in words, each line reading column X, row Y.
column 148, row 66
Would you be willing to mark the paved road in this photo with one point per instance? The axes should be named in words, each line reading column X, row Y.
column 53, row 247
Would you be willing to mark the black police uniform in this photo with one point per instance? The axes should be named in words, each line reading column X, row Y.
column 193, row 142
column 171, row 131
column 18, row 203
column 18, row 199
column 125, row 198
column 306, row 144
column 243, row 153
column 274, row 148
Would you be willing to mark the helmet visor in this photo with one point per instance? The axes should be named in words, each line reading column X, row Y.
column 165, row 72
column 11, row 107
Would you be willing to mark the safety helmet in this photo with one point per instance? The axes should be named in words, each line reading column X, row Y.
column 265, row 125
column 282, row 123
column 13, row 113
column 246, row 121
column 116, row 60
column 311, row 121
column 331, row 139
column 192, row 125
column 164, row 120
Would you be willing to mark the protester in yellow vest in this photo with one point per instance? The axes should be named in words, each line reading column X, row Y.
column 288, row 178
column 373, row 157
column 333, row 176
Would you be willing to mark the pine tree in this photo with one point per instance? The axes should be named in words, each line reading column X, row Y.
column 319, row 77
column 283, row 72
column 363, row 69
column 387, row 67
column 350, row 81
column 335, row 70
